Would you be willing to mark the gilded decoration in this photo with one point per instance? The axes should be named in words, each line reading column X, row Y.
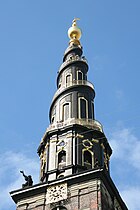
column 74, row 33
column 95, row 140
column 87, row 144
column 106, row 157
column 61, row 145
column 43, row 162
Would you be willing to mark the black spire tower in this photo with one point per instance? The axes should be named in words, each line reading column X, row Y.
column 74, row 151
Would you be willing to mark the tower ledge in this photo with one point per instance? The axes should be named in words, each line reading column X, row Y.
column 93, row 180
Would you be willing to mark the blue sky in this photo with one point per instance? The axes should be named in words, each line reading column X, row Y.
column 33, row 38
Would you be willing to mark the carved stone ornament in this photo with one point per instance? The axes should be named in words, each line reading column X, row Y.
column 116, row 205
column 56, row 193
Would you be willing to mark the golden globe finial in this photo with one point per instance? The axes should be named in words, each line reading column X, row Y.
column 74, row 32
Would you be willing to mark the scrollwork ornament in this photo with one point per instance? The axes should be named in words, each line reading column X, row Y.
column 106, row 160
column 87, row 144
column 43, row 162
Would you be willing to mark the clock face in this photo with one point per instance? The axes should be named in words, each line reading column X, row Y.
column 56, row 193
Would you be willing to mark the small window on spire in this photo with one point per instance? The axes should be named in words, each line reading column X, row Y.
column 65, row 112
column 53, row 115
column 92, row 109
column 87, row 159
column 79, row 75
column 83, row 108
column 60, row 82
column 68, row 80
column 61, row 159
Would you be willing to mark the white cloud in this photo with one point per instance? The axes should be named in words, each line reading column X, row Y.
column 132, row 196
column 126, row 146
column 126, row 167
column 10, row 177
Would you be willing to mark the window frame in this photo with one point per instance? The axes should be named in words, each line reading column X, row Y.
column 64, row 104
column 64, row 163
column 53, row 117
column 92, row 157
column 79, row 106
column 79, row 71
column 67, row 84
column 92, row 110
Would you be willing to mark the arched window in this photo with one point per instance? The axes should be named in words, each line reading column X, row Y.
column 60, row 82
column 53, row 115
column 52, row 119
column 68, row 80
column 65, row 112
column 61, row 159
column 92, row 110
column 87, row 159
column 60, row 175
column 59, row 208
column 79, row 75
column 83, row 108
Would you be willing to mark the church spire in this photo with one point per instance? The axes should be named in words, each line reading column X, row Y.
column 74, row 151
column 74, row 33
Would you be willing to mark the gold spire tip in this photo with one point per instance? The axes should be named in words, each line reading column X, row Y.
column 74, row 32
column 74, row 22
